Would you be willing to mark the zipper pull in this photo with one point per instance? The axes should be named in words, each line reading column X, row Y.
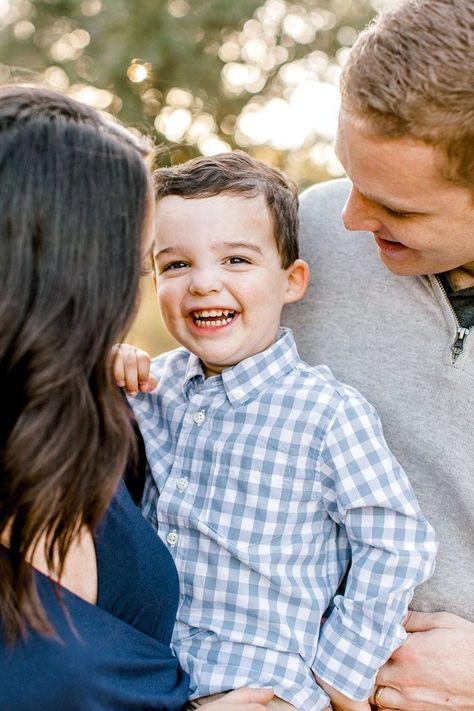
column 458, row 345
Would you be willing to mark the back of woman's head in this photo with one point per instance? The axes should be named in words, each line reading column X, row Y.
column 74, row 191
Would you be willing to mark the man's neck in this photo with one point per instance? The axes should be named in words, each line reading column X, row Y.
column 461, row 278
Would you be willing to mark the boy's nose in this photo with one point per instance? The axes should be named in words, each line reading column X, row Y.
column 359, row 213
column 204, row 282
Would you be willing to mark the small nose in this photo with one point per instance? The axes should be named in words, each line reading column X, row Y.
column 204, row 281
column 359, row 213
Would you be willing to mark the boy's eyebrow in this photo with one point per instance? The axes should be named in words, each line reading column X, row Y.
column 165, row 250
column 242, row 245
column 218, row 245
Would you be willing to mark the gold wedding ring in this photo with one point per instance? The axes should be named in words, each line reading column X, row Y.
column 378, row 695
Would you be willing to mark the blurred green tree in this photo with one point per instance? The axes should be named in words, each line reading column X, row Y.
column 203, row 75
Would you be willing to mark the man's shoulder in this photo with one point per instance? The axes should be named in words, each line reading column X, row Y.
column 321, row 224
column 324, row 201
column 337, row 189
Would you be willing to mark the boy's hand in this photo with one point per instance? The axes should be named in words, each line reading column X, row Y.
column 131, row 369
column 340, row 702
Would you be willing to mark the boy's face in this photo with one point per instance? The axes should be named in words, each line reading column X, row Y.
column 220, row 283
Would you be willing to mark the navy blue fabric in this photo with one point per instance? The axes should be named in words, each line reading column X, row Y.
column 114, row 656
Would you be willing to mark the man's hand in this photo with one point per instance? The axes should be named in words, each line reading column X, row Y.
column 339, row 701
column 434, row 669
column 131, row 369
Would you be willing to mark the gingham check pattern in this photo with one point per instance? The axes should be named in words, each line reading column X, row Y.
column 268, row 483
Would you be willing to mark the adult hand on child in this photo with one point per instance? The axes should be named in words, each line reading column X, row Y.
column 244, row 699
column 341, row 702
column 131, row 369
column 434, row 669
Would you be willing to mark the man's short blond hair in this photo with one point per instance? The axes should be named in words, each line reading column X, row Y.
column 411, row 74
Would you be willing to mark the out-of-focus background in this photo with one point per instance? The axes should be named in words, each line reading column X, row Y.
column 199, row 76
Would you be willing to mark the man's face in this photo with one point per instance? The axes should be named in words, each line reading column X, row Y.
column 220, row 283
column 422, row 224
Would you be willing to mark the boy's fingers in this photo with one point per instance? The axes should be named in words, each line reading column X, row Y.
column 143, row 365
column 129, row 354
column 149, row 385
column 118, row 366
column 131, row 369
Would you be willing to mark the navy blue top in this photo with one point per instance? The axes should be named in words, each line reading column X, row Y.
column 113, row 656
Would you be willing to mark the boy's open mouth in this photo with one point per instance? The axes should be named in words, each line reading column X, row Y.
column 213, row 317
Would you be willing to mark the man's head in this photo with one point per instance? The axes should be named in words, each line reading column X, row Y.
column 406, row 135
column 226, row 255
column 411, row 74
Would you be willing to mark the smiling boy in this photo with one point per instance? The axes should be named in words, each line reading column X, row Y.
column 214, row 282
column 269, row 480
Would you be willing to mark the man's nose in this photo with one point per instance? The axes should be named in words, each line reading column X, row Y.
column 360, row 213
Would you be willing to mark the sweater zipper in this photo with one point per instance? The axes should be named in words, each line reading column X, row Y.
column 461, row 332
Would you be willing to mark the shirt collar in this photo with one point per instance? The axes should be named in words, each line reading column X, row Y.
column 194, row 376
column 243, row 381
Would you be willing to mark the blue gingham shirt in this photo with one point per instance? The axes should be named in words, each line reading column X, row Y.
column 269, row 483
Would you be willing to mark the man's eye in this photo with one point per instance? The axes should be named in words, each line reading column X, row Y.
column 396, row 213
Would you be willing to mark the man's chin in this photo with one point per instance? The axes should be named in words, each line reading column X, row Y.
column 398, row 266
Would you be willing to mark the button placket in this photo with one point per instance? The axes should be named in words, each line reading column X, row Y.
column 172, row 538
column 199, row 417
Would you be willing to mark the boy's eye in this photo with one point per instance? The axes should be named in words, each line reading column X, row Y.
column 174, row 266
column 238, row 260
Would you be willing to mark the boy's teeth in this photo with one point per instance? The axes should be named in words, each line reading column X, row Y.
column 220, row 317
column 207, row 314
column 212, row 314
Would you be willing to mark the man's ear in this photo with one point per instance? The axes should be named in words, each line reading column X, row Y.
column 298, row 279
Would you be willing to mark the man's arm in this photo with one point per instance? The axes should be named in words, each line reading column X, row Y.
column 434, row 669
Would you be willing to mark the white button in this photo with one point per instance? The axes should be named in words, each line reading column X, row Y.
column 199, row 417
column 181, row 484
column 172, row 538
column 238, row 392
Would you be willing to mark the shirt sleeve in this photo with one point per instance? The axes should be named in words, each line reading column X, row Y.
column 392, row 549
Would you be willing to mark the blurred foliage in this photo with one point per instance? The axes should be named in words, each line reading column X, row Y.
column 195, row 73
column 201, row 76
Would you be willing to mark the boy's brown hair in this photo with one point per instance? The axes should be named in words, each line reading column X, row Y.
column 239, row 174
column 411, row 74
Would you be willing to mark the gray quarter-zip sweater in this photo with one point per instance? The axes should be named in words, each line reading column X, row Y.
column 396, row 339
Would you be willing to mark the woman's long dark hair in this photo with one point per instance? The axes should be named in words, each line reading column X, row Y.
column 74, row 191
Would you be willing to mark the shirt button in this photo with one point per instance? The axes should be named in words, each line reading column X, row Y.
column 172, row 538
column 181, row 484
column 238, row 392
column 199, row 417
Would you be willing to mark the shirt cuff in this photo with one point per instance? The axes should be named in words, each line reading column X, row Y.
column 348, row 662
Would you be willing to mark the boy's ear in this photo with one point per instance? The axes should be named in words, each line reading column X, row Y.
column 298, row 279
